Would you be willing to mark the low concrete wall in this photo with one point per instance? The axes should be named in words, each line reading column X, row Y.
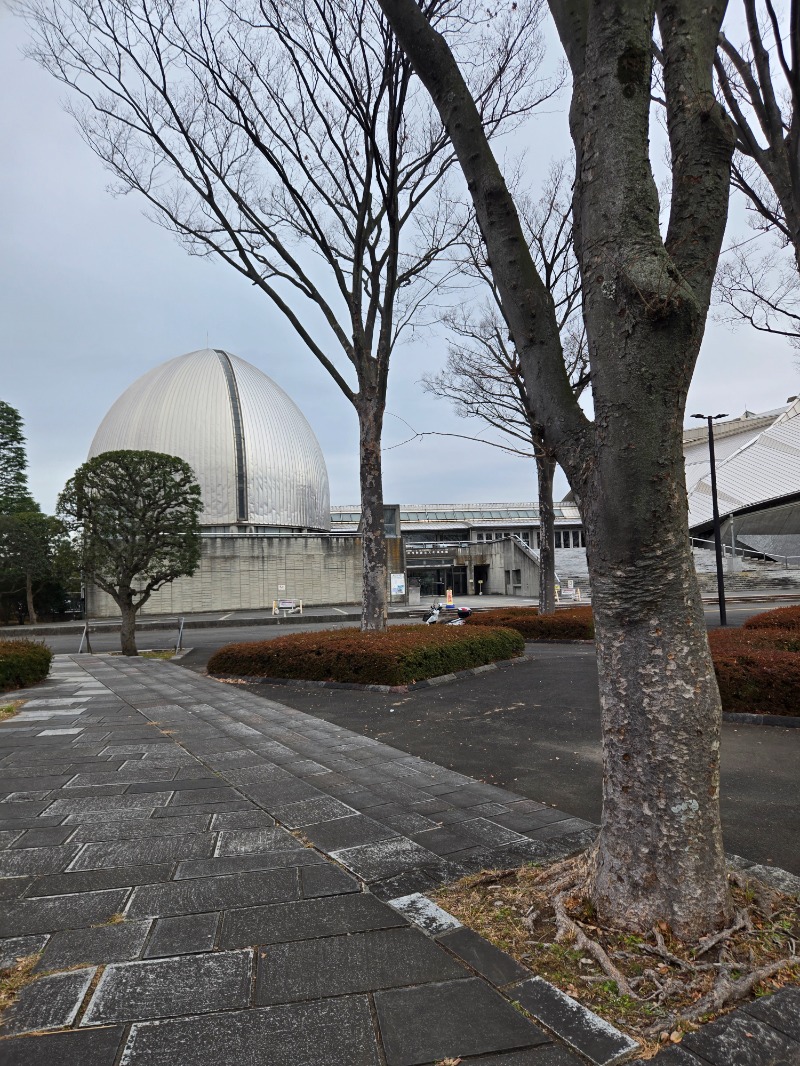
column 244, row 571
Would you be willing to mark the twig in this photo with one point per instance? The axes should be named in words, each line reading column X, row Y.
column 566, row 927
column 707, row 943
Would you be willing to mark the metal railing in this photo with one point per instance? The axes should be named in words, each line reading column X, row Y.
column 90, row 627
column 790, row 562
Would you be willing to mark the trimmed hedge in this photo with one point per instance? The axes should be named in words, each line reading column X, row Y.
column 572, row 623
column 23, row 662
column 398, row 656
column 782, row 618
column 758, row 669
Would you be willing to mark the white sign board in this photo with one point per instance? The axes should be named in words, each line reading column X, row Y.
column 281, row 588
column 286, row 605
column 398, row 584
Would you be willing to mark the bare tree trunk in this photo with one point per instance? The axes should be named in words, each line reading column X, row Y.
column 545, row 469
column 29, row 597
column 373, row 540
column 128, row 628
column 659, row 855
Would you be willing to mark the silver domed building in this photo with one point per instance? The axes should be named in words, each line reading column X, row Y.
column 266, row 506
column 255, row 457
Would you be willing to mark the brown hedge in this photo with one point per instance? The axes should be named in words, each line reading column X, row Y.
column 758, row 671
column 23, row 662
column 398, row 656
column 572, row 623
column 781, row 618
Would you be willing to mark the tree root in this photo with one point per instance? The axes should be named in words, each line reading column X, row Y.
column 708, row 942
column 725, row 993
column 567, row 928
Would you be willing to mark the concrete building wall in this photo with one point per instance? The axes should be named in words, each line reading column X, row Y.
column 244, row 571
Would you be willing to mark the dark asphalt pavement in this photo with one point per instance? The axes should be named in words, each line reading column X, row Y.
column 535, row 728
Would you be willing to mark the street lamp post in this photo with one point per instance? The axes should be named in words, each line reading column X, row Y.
column 723, row 616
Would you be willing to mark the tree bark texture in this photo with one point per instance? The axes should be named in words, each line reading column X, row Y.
column 373, row 540
column 29, row 597
column 659, row 854
column 545, row 470
column 127, row 630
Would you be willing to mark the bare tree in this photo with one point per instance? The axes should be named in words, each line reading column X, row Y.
column 290, row 139
column 659, row 854
column 760, row 84
column 483, row 376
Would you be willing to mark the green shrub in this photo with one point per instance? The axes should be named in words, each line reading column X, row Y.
column 782, row 618
column 573, row 623
column 23, row 662
column 398, row 656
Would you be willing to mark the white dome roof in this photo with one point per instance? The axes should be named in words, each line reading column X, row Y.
column 255, row 456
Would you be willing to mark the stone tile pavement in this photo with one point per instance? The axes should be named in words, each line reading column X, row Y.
column 210, row 876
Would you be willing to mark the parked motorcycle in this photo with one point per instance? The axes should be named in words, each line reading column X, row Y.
column 455, row 618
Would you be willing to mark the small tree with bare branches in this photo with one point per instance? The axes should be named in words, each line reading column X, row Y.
column 483, row 376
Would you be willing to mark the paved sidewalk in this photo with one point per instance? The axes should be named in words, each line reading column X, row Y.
column 209, row 875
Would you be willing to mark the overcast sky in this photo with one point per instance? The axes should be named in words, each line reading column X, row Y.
column 93, row 294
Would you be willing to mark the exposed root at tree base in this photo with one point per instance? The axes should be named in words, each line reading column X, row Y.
column 654, row 987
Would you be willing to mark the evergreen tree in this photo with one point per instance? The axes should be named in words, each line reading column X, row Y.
column 14, row 494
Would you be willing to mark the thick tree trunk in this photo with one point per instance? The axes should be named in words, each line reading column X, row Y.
column 659, row 856
column 29, row 597
column 545, row 469
column 128, row 628
column 373, row 538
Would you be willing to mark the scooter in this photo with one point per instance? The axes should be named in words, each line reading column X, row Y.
column 458, row 617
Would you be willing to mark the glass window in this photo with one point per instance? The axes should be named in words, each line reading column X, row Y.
column 480, row 536
column 558, row 538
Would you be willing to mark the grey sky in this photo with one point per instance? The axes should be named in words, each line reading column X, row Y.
column 93, row 294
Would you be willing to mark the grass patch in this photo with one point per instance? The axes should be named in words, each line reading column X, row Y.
column 514, row 909
column 167, row 653
column 573, row 623
column 8, row 710
column 397, row 656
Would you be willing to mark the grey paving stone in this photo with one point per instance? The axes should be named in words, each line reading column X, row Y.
column 39, row 838
column 254, row 841
column 307, row 812
column 249, row 819
column 337, row 1032
column 188, row 797
column 98, row 880
column 443, row 841
column 18, row 947
column 8, row 836
column 50, row 913
column 90, row 1047
column 13, row 887
column 200, row 808
column 126, row 853
column 270, row 860
column 675, row 1055
column 781, row 1011
column 136, row 827
column 740, row 1039
column 306, row 920
column 182, row 935
column 347, row 832
column 384, row 858
column 579, row 1028
column 131, row 773
column 782, row 880
column 163, row 988
column 543, row 1055
column 214, row 894
column 47, row 1003
column 97, row 945
column 561, row 829
column 326, row 880
column 424, row 913
column 484, row 831
column 36, row 860
column 83, row 805
column 360, row 962
column 200, row 784
column 451, row 1019
column 492, row 963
